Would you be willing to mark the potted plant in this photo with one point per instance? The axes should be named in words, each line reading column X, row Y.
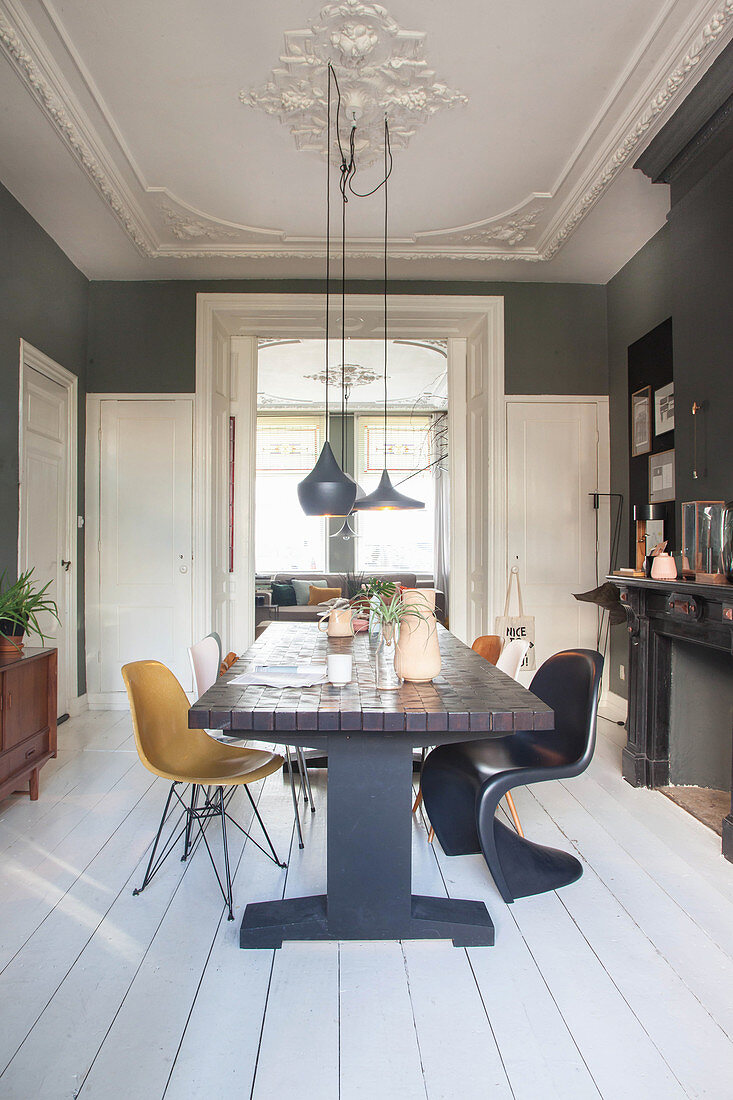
column 20, row 605
column 365, row 599
column 389, row 609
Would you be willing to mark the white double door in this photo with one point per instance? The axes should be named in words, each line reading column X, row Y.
column 552, row 470
column 145, row 537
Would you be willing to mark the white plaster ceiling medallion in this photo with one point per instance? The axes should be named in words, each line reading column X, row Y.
column 354, row 375
column 381, row 70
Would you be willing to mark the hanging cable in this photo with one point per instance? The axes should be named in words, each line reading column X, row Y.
column 388, row 163
column 343, row 328
column 387, row 154
column 328, row 226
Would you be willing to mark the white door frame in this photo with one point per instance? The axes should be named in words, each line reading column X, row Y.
column 99, row 700
column 43, row 364
column 302, row 315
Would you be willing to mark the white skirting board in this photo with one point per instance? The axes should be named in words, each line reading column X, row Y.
column 108, row 700
column 613, row 706
column 78, row 705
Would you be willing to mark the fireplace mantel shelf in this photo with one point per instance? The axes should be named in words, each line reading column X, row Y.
column 661, row 614
column 708, row 591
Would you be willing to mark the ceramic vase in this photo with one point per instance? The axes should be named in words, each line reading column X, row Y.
column 663, row 567
column 418, row 649
column 339, row 623
column 385, row 676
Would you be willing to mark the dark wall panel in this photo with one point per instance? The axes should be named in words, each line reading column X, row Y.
column 142, row 335
column 650, row 363
column 44, row 300
column 701, row 226
column 639, row 299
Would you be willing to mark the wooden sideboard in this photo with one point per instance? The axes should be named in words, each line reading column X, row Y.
column 27, row 718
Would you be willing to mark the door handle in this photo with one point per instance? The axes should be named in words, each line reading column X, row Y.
column 66, row 565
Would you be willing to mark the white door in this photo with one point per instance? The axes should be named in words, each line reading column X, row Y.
column 145, row 558
column 45, row 538
column 552, row 466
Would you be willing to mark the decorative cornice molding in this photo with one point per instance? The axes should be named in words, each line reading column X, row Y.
column 496, row 239
column 59, row 107
column 191, row 229
column 703, row 42
column 381, row 69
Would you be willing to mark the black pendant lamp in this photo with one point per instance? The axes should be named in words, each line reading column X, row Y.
column 327, row 490
column 385, row 497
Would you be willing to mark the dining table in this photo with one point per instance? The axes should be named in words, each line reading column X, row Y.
column 368, row 736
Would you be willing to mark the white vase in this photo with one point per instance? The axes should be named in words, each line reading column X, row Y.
column 418, row 649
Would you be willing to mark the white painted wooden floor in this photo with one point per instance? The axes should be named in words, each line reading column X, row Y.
column 618, row 986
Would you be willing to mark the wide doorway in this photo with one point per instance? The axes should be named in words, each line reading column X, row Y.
column 233, row 330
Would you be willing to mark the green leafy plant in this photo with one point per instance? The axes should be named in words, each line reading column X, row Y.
column 20, row 605
column 391, row 609
column 378, row 586
column 351, row 584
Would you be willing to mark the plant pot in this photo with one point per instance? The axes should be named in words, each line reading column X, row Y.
column 11, row 640
column 418, row 649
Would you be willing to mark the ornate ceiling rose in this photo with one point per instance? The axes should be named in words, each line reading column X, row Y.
column 381, row 70
column 354, row 375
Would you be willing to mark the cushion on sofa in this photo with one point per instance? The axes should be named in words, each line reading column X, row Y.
column 320, row 595
column 283, row 595
column 303, row 588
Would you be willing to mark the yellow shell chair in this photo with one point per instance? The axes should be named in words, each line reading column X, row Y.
column 168, row 748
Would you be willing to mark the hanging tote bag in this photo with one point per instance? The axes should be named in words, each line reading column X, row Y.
column 520, row 626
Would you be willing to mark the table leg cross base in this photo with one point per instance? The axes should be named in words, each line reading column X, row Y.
column 268, row 924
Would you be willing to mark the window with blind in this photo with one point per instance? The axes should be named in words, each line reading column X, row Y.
column 285, row 538
column 393, row 539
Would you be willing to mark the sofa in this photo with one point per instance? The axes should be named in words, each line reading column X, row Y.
column 267, row 612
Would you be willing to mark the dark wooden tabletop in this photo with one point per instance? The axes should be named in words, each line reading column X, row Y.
column 469, row 696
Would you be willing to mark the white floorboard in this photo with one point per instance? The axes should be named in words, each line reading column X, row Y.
column 617, row 986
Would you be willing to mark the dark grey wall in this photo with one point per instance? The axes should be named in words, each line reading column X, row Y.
column 684, row 272
column 44, row 300
column 142, row 335
column 639, row 298
column 701, row 230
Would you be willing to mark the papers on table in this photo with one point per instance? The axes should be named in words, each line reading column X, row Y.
column 282, row 676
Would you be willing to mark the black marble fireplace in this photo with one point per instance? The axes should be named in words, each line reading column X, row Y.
column 680, row 727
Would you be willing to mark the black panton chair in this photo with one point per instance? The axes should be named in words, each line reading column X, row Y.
column 463, row 783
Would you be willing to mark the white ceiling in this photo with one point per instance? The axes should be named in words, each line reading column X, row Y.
column 291, row 375
column 123, row 133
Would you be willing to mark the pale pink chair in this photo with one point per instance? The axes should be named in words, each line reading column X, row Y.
column 205, row 660
column 511, row 657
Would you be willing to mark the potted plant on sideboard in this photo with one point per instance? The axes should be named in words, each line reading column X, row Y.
column 20, row 605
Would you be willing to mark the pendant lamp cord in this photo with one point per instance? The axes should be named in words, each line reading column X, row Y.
column 387, row 154
column 328, row 226
column 343, row 331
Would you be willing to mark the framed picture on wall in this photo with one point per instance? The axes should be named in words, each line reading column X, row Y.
column 641, row 422
column 664, row 409
column 661, row 477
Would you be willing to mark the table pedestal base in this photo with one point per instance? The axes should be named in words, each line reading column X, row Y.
column 269, row 923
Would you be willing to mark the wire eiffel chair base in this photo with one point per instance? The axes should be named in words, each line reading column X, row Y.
column 205, row 803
